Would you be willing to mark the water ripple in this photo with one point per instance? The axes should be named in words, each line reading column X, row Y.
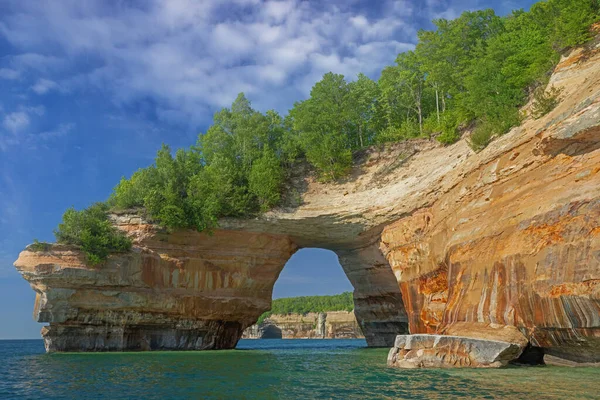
column 269, row 369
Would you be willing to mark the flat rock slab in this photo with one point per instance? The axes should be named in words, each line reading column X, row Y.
column 440, row 351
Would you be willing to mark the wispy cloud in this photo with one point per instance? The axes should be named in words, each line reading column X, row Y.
column 17, row 129
column 43, row 86
column 61, row 130
column 15, row 122
column 7, row 73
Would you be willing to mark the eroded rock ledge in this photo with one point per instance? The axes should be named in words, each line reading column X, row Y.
column 183, row 290
column 438, row 239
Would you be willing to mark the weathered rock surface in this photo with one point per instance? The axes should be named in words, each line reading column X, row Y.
column 184, row 290
column 329, row 325
column 443, row 351
column 509, row 236
column 516, row 240
column 562, row 362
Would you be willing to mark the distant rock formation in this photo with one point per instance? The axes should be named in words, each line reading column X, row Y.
column 329, row 325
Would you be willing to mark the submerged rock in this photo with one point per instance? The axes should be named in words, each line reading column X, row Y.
column 441, row 351
column 564, row 362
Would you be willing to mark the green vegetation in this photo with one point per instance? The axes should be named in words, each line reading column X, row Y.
column 305, row 304
column 235, row 169
column 39, row 246
column 472, row 72
column 544, row 101
column 92, row 231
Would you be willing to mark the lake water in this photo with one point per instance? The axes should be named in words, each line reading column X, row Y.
column 270, row 369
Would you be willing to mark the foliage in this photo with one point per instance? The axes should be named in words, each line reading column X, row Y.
column 567, row 21
column 483, row 67
column 38, row 246
column 362, row 101
column 235, row 169
column 322, row 123
column 448, row 128
column 265, row 180
column 544, row 101
column 92, row 231
column 476, row 70
column 482, row 135
column 305, row 304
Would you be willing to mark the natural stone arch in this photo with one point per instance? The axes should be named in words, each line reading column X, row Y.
column 479, row 244
column 189, row 290
column 379, row 308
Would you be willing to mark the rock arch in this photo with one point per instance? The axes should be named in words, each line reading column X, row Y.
column 502, row 242
column 190, row 290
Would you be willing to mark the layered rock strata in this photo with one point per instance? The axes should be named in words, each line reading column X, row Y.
column 329, row 325
column 516, row 241
column 439, row 239
column 182, row 290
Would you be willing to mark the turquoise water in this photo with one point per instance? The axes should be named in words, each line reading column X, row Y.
column 270, row 369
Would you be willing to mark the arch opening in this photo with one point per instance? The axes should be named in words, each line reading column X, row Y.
column 312, row 272
column 375, row 310
column 312, row 298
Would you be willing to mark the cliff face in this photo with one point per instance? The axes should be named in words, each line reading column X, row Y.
column 438, row 238
column 184, row 290
column 329, row 325
column 517, row 240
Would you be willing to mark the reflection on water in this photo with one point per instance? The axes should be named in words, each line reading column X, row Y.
column 286, row 369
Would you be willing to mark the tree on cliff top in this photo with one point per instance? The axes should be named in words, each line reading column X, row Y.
column 91, row 230
column 477, row 69
column 323, row 126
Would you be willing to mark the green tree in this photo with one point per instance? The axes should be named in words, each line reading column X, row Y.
column 322, row 123
column 362, row 98
column 265, row 179
column 92, row 231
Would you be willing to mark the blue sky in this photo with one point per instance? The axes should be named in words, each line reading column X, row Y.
column 90, row 89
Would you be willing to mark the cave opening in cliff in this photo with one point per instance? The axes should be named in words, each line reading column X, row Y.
column 312, row 298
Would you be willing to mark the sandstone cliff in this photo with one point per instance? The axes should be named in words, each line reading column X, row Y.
column 329, row 325
column 516, row 241
column 183, row 290
column 436, row 238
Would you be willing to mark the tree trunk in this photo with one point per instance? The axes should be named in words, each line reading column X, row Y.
column 420, row 120
column 360, row 136
column 437, row 105
column 444, row 104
